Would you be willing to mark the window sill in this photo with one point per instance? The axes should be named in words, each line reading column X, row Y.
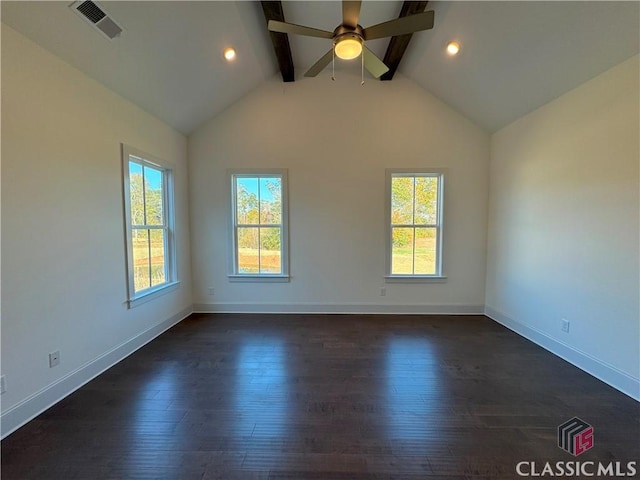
column 152, row 294
column 415, row 279
column 260, row 278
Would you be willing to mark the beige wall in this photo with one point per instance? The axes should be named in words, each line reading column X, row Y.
column 563, row 226
column 336, row 139
column 63, row 249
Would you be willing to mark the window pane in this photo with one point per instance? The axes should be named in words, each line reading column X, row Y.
column 140, row 241
column 270, row 200
column 248, row 261
column 149, row 252
column 136, row 195
column 153, row 195
column 157, row 257
column 270, row 248
column 246, row 200
column 402, row 251
column 426, row 200
column 425, row 252
column 401, row 200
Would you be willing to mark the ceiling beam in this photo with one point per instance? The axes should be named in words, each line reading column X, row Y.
column 273, row 11
column 399, row 43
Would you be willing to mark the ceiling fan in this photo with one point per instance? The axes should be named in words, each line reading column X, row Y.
column 348, row 38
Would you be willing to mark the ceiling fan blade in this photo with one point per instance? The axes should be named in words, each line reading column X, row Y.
column 283, row 27
column 350, row 12
column 400, row 26
column 372, row 63
column 320, row 64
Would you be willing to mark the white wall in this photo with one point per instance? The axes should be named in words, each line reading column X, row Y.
column 563, row 226
column 336, row 139
column 63, row 250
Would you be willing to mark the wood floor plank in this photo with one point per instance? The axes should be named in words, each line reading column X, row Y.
column 324, row 397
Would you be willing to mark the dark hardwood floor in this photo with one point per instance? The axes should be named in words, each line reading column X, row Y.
column 324, row 397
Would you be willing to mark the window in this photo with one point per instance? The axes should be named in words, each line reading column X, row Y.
column 259, row 220
column 414, row 216
column 148, row 198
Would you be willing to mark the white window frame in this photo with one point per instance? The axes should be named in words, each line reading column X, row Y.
column 439, row 276
column 171, row 274
column 234, row 274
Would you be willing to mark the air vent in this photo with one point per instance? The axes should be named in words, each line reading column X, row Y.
column 91, row 11
column 96, row 16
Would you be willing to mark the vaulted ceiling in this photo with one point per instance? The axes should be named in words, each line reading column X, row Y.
column 515, row 56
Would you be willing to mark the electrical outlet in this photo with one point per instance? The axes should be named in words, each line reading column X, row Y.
column 565, row 325
column 3, row 384
column 212, row 291
column 383, row 291
column 54, row 359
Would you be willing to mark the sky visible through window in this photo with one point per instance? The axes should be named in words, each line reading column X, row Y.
column 251, row 186
column 152, row 176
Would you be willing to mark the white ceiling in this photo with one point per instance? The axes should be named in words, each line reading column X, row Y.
column 515, row 57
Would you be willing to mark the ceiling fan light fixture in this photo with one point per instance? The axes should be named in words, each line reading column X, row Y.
column 348, row 47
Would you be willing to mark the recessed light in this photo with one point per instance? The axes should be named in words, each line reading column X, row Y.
column 453, row 48
column 229, row 53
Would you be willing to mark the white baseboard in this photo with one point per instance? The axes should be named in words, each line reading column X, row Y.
column 609, row 374
column 35, row 404
column 365, row 308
